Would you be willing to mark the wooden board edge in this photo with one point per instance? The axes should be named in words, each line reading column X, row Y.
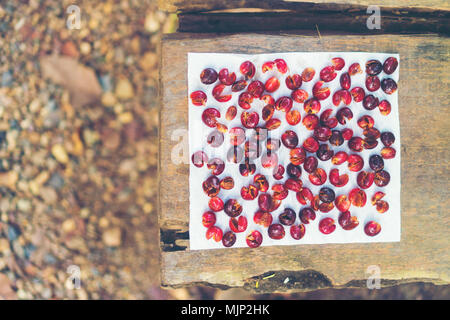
column 176, row 6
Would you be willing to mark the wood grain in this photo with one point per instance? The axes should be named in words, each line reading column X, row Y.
column 336, row 5
column 422, row 253
column 350, row 21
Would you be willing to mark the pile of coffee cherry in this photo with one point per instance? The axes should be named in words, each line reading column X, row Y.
column 305, row 153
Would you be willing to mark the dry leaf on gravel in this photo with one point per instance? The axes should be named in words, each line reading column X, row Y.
column 78, row 79
column 6, row 292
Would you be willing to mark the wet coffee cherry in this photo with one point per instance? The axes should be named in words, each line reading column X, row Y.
column 304, row 195
column 284, row 104
column 229, row 239
column 373, row 67
column 293, row 184
column 208, row 219
column 297, row 231
column 347, row 221
column 293, row 117
column 326, row 195
column 382, row 178
column 388, row 85
column 318, row 177
column 336, row 179
column 310, row 121
column 263, row 218
column 311, row 145
column 294, row 81
column 310, row 164
column 215, row 138
column 365, row 179
column 216, row 166
column 372, row 83
column 324, row 152
column 261, row 182
column 198, row 98
column 226, row 77
column 339, row 158
column 299, row 95
column 308, row 74
column 336, row 138
column 239, row 86
column 265, row 202
column 388, row 153
column 358, row 94
column 342, row 203
column 276, row 231
column 385, row 107
column 321, row 133
column 387, row 138
column 208, row 76
column 347, row 133
column 370, row 102
column 278, row 172
column 248, row 69
column 345, row 81
column 232, row 208
column 293, row 171
column 376, row 163
column 211, row 186
column 354, row 69
column 214, row 233
column 338, row 63
column 297, row 156
column 357, row 197
column 238, row 224
column 254, row 239
column 390, row 65
column 372, row 228
column 328, row 74
column 327, row 225
column 199, row 158
column 287, row 217
column 289, row 139
column 355, row 162
column 227, row 183
column 306, row 215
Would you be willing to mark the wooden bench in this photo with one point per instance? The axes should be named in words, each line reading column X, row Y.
column 422, row 254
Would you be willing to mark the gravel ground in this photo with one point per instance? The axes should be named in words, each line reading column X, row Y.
column 78, row 155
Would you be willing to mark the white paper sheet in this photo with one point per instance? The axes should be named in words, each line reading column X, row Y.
column 297, row 62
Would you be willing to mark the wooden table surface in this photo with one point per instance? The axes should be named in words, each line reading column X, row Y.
column 423, row 252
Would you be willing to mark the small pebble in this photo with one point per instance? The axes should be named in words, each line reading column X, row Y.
column 124, row 89
column 4, row 246
column 8, row 179
column 60, row 154
column 69, row 226
column 108, row 99
column 56, row 181
column 13, row 233
column 85, row 48
column 112, row 237
column 49, row 195
column 7, row 79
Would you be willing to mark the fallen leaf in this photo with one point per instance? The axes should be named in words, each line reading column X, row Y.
column 6, row 291
column 79, row 80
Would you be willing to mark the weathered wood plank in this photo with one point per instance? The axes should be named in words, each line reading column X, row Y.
column 422, row 253
column 335, row 5
column 350, row 21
